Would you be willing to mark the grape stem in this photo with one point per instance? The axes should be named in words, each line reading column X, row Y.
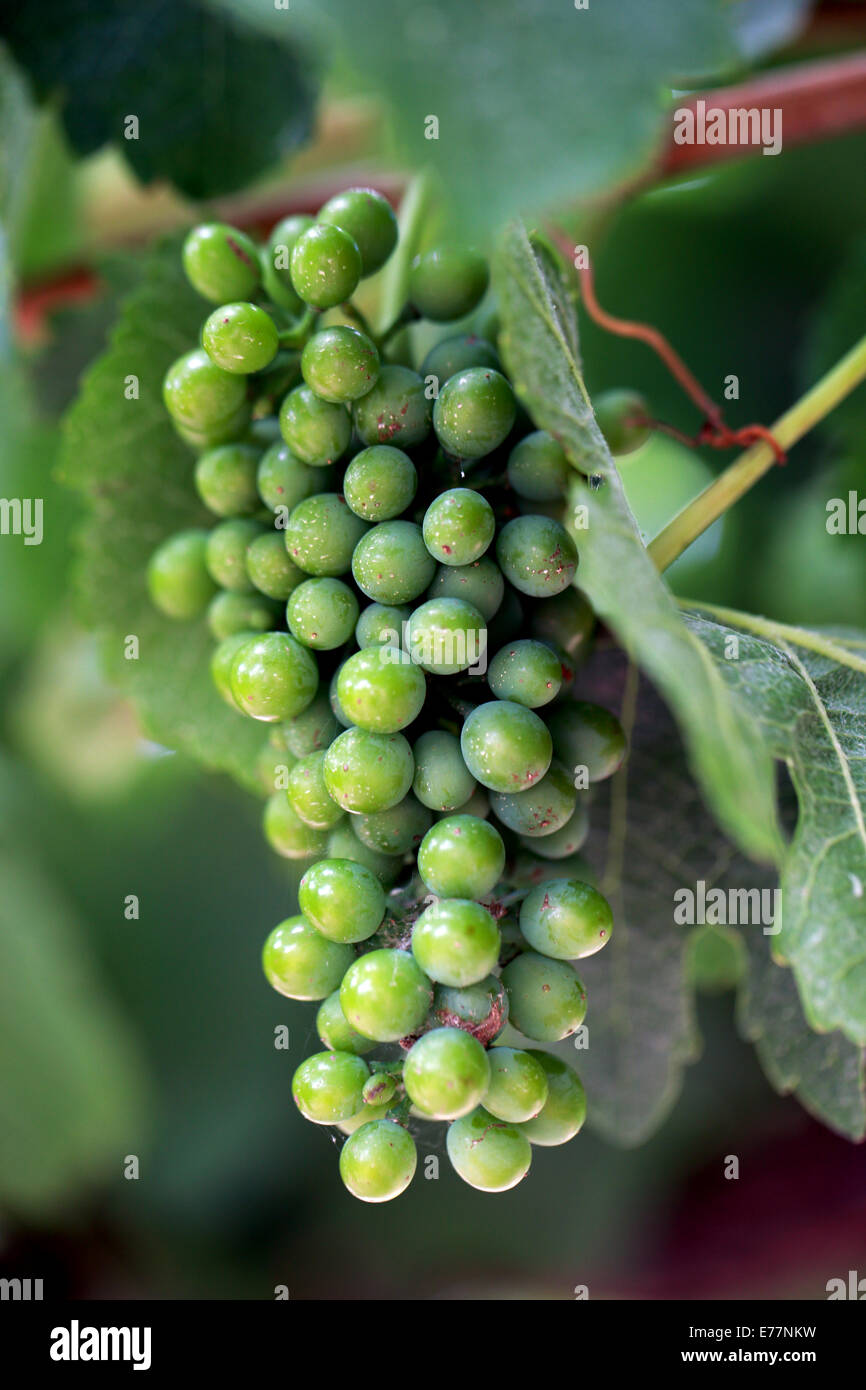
column 745, row 471
column 298, row 332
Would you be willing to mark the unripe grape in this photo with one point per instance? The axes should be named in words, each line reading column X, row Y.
column 564, row 1111
column 505, row 746
column 336, row 1032
column 330, row 1086
column 316, row 431
column 457, row 354
column 380, row 689
column 623, row 419
column 325, row 266
column 446, row 635
column 547, row 1002
column 474, row 412
column 311, row 800
column 208, row 405
column 488, row 1154
column 178, row 578
column 228, row 614
column 300, row 963
column 385, row 995
column 461, row 857
column 447, row 283
column 537, row 468
column 340, row 364
column 269, row 567
column 221, row 262
column 396, row 831
column 456, row 941
column 286, row 833
column 446, row 1073
column 541, row 809
column 274, row 677
column 367, row 771
column 518, row 1085
column 321, row 613
column 396, row 411
column 240, row 338
column 369, row 220
column 526, row 672
column 380, row 482
column 442, row 780
column 481, row 583
column 537, row 555
column 566, row 919
column 344, row 900
column 378, row 1161
column 589, row 736
column 322, row 535
column 225, row 479
column 391, row 564
column 458, row 526
column 226, row 553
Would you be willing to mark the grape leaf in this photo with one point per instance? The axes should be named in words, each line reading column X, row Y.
column 539, row 345
column 216, row 101
column 137, row 477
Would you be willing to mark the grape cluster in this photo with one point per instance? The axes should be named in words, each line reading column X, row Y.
column 391, row 589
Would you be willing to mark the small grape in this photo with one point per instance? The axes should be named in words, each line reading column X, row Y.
column 589, row 736
column 623, row 418
column 446, row 1073
column 541, row 809
column 391, row 564
column 286, row 833
column 378, row 1161
column 222, row 661
column 340, row 363
column 225, row 479
column 330, row 1086
column 325, row 266
column 269, row 567
column 226, row 553
column 300, row 963
column 264, row 431
column 207, row 405
column 537, row 468
column 474, row 413
column 321, row 613
column 446, row 635
column 316, row 431
column 442, row 780
column 396, row 411
column 282, row 480
column 480, row 1009
column 310, row 798
column 447, row 283
column 177, row 576
column 385, row 995
column 367, row 771
column 458, row 526
column 343, row 843
column 369, row 220
column 340, row 714
column 456, row 941
column 518, row 1085
column 564, row 1111
column 525, row 672
column 566, row 919
column 461, row 857
column 228, row 614
column 395, row 831
column 322, row 535
column 381, row 624
column 276, row 261
column 335, row 1032
column 364, row 1116
column 488, row 1154
column 537, row 555
column 313, row 729
column 505, row 746
column 380, row 482
column 457, row 354
column 380, row 1089
column 546, row 1000
column 274, row 677
column 565, row 841
column 221, row 262
column 240, row 338
column 272, row 767
column 344, row 900
column 380, row 689
column 481, row 583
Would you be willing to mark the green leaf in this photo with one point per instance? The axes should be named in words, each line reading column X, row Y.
column 216, row 101
column 727, row 752
column 137, row 477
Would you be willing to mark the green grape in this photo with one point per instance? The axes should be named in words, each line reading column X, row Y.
column 588, row 736
column 623, row 418
column 287, row 834
column 461, row 857
column 272, row 768
column 541, row 809
column 229, row 614
column 446, row 635
column 510, row 620
column 274, row 677
column 325, row 266
column 225, row 478
column 369, row 221
column 222, row 660
column 537, row 555
column 264, row 431
column 282, row 480
column 380, row 482
column 322, row 535
column 447, row 283
column 566, row 919
column 396, row 411
column 385, row 995
column 480, row 1009
column 339, row 713
column 546, row 1000
column 565, row 841
column 526, row 673
column 565, row 621
column 518, row 1085
column 330, row 1086
column 488, row 1154
column 177, row 576
column 481, row 583
column 335, row 1032
column 377, row 1161
column 269, row 567
column 207, row 405
column 457, row 354
column 474, row 412
column 458, row 526
column 364, row 1116
column 226, row 553
column 381, row 624
column 311, row 799
column 380, row 689
column 380, row 1089
column 456, row 941
column 395, row 831
column 240, row 338
column 367, row 771
column 300, row 963
column 276, row 261
column 313, row 729
column 446, row 1073
column 342, row 898
column 322, row 613
column 529, row 869
column 505, row 746
column 537, row 468
column 343, row 843
column 442, row 780
column 340, row 364
column 391, row 563
column 477, row 805
column 564, row 1111
column 221, row 262
column 316, row 431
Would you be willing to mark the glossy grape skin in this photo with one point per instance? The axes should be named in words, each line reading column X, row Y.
column 225, row 480
column 381, row 690
column 369, row 220
column 322, row 535
column 228, row 614
column 301, row 963
column 313, row 729
column 564, row 1111
column 566, row 919
column 546, row 1000
column 458, row 526
column 377, row 1161
column 317, row 432
column 240, row 338
column 474, row 413
column 380, row 482
column 367, row 771
column 207, row 404
column 226, row 553
column 177, row 576
column 340, row 714
column 442, row 780
column 396, row 831
column 565, row 841
column 380, row 1089
column 391, row 564
column 481, row 583
column 518, row 1085
column 381, row 624
column 274, row 677
column 329, row 1086
column 343, row 843
column 396, row 411
column 447, row 283
column 282, row 480
column 446, row 635
column 457, row 354
column 325, row 266
column 365, row 1116
column 276, row 261
column 456, row 941
column 525, row 672
column 477, row 805
column 222, row 660
column 480, row 1009
column 269, row 567
column 340, row 363
column 336, row 1032
column 321, row 613
column 506, row 746
column 537, row 555
column 385, row 995
column 621, row 417
column 537, row 468
column 587, row 735
column 446, row 1073
column 566, row 620
column 344, row 900
column 311, row 800
column 221, row 262
column 287, row 834
column 461, row 857
column 488, row 1154
column 541, row 809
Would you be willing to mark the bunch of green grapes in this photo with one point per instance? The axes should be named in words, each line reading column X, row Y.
column 389, row 586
